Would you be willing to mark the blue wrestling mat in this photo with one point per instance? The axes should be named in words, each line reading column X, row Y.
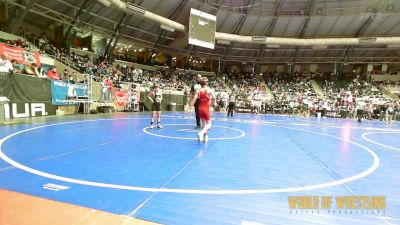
column 246, row 174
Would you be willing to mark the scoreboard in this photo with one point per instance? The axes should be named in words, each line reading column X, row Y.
column 202, row 27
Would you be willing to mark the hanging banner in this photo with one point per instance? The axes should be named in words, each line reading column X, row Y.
column 120, row 97
column 19, row 54
column 65, row 93
column 100, row 46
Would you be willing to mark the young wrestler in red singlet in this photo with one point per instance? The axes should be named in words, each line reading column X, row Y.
column 206, row 98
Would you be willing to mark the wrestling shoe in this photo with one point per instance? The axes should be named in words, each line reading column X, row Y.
column 201, row 137
column 159, row 126
column 151, row 126
column 205, row 137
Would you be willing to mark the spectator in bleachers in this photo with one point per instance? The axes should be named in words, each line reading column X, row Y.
column 9, row 43
column 42, row 73
column 43, row 41
column 5, row 64
column 38, row 71
column 18, row 68
column 52, row 74
column 19, row 43
column 35, row 69
column 288, row 90
column 28, row 70
column 65, row 74
column 74, row 78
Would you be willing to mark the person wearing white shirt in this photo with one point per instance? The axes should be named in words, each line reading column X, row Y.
column 232, row 104
column 5, row 64
column 135, row 75
column 349, row 99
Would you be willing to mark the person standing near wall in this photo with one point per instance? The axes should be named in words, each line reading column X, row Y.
column 110, row 87
column 104, row 89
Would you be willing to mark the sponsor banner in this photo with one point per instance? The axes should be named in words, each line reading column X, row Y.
column 120, row 97
column 20, row 54
column 63, row 93
column 24, row 110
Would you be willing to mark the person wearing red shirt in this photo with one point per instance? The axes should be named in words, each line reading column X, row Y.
column 110, row 87
column 206, row 98
column 109, row 84
column 52, row 74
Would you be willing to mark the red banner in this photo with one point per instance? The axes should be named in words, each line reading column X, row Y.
column 19, row 54
column 120, row 97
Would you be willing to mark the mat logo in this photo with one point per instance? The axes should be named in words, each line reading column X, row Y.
column 54, row 187
column 333, row 204
column 29, row 111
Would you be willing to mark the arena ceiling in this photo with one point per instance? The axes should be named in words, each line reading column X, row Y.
column 271, row 18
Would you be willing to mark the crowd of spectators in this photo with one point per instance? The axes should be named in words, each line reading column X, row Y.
column 10, row 65
column 13, row 66
column 355, row 93
column 292, row 94
column 338, row 98
column 247, row 88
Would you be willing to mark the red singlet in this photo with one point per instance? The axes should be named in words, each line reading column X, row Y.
column 204, row 106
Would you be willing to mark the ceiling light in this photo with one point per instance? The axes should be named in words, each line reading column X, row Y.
column 136, row 8
column 367, row 40
column 259, row 38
